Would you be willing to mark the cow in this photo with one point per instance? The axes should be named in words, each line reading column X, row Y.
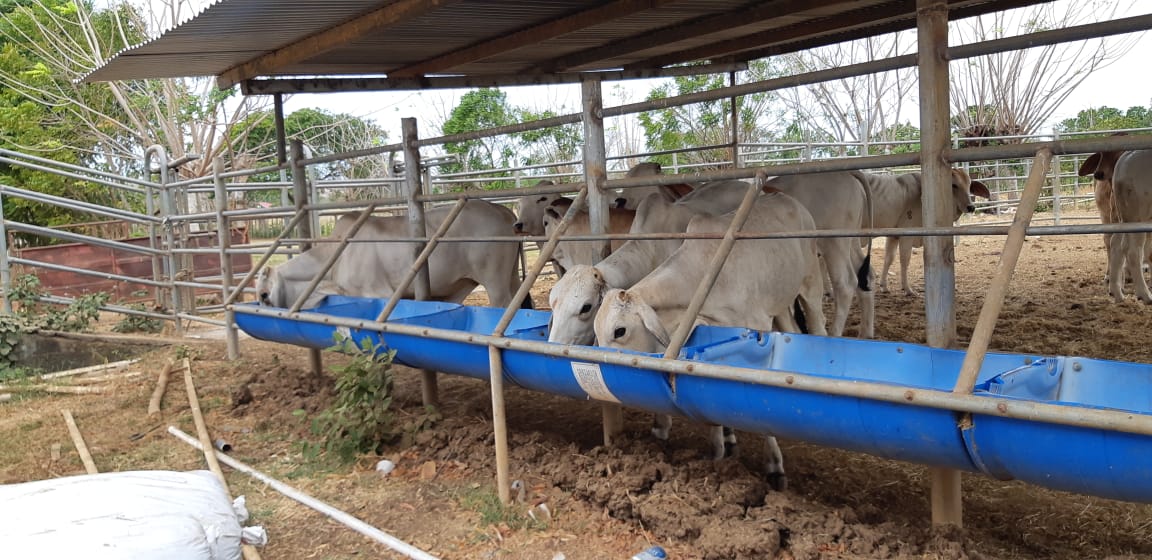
column 897, row 203
column 1131, row 203
column 629, row 199
column 530, row 211
column 576, row 296
column 570, row 253
column 375, row 269
column 758, row 286
column 1101, row 167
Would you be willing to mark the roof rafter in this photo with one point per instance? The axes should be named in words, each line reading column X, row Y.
column 329, row 39
column 969, row 8
column 528, row 36
column 699, row 26
column 869, row 17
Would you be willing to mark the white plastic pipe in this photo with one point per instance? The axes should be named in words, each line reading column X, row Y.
column 336, row 514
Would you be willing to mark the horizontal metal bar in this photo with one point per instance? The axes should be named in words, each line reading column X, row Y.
column 14, row 157
column 1116, row 420
column 207, row 179
column 60, row 300
column 78, row 205
column 85, row 272
column 364, row 83
column 970, row 230
column 189, row 284
column 78, row 238
column 201, row 319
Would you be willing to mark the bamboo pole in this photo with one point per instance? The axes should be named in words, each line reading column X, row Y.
column 62, row 389
column 109, row 367
column 78, row 441
column 994, row 301
column 249, row 551
column 201, row 427
column 339, row 516
column 161, row 386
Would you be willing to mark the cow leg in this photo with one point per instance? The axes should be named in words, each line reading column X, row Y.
column 812, row 303
column 718, row 435
column 1134, row 258
column 826, row 277
column 843, row 278
column 1116, row 252
column 890, row 244
column 867, row 296
column 774, row 464
column 661, row 426
column 906, row 259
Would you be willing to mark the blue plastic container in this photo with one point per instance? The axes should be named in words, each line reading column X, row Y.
column 634, row 387
column 890, row 430
column 1091, row 461
column 315, row 335
column 461, row 358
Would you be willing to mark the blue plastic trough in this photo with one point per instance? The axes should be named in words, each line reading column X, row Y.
column 1091, row 461
column 1102, row 463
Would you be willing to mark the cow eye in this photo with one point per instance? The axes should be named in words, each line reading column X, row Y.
column 619, row 332
column 586, row 308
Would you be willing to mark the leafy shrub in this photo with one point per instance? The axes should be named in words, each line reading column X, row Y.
column 138, row 323
column 358, row 420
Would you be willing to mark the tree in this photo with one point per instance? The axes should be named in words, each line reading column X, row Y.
column 708, row 123
column 1106, row 118
column 489, row 108
column 1015, row 93
column 864, row 110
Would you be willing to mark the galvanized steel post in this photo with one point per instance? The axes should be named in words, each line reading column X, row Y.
column 939, row 252
column 595, row 175
column 5, row 267
column 429, row 391
column 304, row 227
column 224, row 235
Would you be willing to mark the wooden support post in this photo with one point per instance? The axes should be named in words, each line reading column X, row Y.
column 224, row 235
column 304, row 225
column 939, row 252
column 429, row 389
column 595, row 175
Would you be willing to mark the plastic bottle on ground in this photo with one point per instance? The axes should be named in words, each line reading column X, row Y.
column 651, row 553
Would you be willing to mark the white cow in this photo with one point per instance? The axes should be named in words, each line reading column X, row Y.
column 571, row 253
column 576, row 297
column 630, row 199
column 839, row 200
column 1132, row 202
column 530, row 211
column 375, row 269
column 897, row 203
column 1101, row 167
column 760, row 283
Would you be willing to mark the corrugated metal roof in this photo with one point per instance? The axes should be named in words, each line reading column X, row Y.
column 243, row 39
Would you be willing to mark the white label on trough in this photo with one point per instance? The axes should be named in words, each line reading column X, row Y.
column 592, row 381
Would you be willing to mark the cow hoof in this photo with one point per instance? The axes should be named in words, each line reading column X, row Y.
column 778, row 481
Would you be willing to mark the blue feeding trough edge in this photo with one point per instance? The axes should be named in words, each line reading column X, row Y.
column 1091, row 461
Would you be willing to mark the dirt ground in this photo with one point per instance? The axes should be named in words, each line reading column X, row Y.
column 613, row 502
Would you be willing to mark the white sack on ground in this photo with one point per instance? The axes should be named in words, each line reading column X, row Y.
column 120, row 516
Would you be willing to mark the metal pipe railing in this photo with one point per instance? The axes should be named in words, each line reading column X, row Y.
column 83, row 271
column 79, row 238
column 1085, row 417
column 78, row 205
column 14, row 157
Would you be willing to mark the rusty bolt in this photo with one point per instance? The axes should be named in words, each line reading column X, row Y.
column 789, row 380
column 909, row 395
column 1002, row 407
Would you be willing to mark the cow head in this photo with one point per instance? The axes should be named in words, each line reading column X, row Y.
column 530, row 211
column 1100, row 166
column 574, row 301
column 269, row 288
column 626, row 321
column 963, row 189
column 631, row 197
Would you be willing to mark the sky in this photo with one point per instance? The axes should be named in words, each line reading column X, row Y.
column 1124, row 83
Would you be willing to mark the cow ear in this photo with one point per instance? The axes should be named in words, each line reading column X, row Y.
column 675, row 192
column 981, row 190
column 552, row 213
column 1089, row 166
column 652, row 322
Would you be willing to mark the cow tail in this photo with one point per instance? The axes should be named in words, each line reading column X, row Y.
column 864, row 273
column 798, row 314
